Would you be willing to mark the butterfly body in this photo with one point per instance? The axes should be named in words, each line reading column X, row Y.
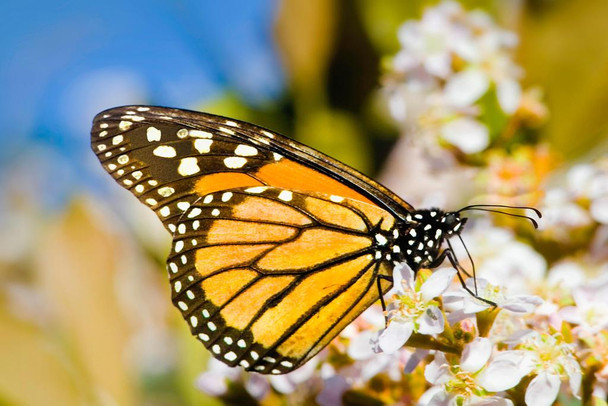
column 276, row 247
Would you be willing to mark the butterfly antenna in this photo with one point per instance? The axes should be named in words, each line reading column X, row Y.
column 491, row 208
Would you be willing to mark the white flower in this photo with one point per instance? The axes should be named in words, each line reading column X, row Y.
column 450, row 59
column 288, row 383
column 413, row 308
column 552, row 360
column 467, row 134
column 215, row 380
column 462, row 300
column 474, row 381
column 501, row 259
column 590, row 312
column 466, row 87
column 562, row 205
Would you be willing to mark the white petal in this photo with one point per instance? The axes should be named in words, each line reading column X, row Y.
column 434, row 396
column 476, row 354
column 464, row 88
column 542, row 390
column 522, row 303
column 257, row 385
column 439, row 64
column 414, row 360
column 360, row 347
column 212, row 383
column 499, row 376
column 599, row 210
column 509, row 95
column 403, row 273
column 333, row 389
column 395, row 335
column 467, row 134
column 437, row 283
column 438, row 371
column 439, row 398
column 282, row 384
column 397, row 106
column 493, row 401
column 472, row 305
column 431, row 322
column 574, row 376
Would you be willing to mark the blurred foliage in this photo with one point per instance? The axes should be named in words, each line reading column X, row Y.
column 564, row 52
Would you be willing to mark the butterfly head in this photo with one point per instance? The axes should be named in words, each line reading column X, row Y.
column 452, row 223
column 424, row 234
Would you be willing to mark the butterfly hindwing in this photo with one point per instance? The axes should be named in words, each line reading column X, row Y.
column 266, row 277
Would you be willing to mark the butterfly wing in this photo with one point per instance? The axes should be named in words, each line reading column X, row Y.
column 196, row 169
column 266, row 277
column 168, row 156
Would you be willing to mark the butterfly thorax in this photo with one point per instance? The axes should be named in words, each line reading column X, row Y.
column 419, row 237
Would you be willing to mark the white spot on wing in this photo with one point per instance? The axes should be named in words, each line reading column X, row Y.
column 245, row 150
column 234, row 162
column 183, row 206
column 286, row 195
column 125, row 125
column 381, row 239
column 200, row 134
column 153, row 134
column 188, row 166
column 202, row 145
column 256, row 189
column 194, row 212
column 165, row 151
column 166, row 191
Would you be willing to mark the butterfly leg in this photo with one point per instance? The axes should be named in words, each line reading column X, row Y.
column 450, row 255
column 439, row 260
column 378, row 279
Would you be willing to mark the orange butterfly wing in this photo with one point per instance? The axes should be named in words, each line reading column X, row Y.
column 266, row 277
column 274, row 248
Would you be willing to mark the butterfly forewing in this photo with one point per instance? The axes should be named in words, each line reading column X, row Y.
column 276, row 247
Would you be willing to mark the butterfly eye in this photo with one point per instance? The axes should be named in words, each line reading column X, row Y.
column 451, row 220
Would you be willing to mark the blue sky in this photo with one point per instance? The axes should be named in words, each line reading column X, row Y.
column 63, row 61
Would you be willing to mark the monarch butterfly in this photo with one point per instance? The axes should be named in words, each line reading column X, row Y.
column 276, row 246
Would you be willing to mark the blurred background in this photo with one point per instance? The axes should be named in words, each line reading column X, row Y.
column 85, row 315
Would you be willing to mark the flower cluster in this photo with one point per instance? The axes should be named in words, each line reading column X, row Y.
column 536, row 325
column 455, row 70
